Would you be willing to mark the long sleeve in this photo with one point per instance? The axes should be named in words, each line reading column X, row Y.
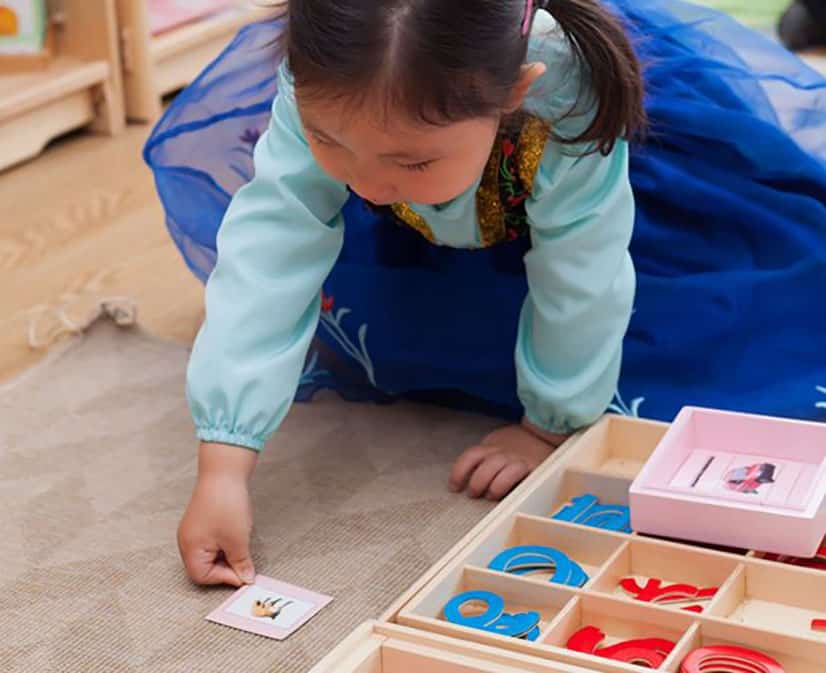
column 279, row 240
column 581, row 287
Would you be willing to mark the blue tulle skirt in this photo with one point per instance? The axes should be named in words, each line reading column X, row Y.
column 730, row 242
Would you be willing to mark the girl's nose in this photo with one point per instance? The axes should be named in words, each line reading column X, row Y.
column 380, row 195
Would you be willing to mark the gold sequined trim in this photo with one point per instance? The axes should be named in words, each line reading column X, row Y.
column 411, row 218
column 489, row 211
column 532, row 141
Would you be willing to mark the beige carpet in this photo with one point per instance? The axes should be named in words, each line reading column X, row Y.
column 97, row 460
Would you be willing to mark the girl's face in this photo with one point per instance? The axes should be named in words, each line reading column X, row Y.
column 387, row 163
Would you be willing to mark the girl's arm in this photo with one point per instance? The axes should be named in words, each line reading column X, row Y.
column 582, row 286
column 277, row 244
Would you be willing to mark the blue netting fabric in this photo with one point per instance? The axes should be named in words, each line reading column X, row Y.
column 730, row 241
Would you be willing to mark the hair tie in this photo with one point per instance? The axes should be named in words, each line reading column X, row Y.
column 526, row 22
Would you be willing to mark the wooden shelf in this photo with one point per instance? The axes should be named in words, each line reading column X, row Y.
column 64, row 76
column 80, row 87
column 154, row 66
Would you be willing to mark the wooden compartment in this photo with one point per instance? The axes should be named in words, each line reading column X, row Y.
column 590, row 548
column 575, row 482
column 603, row 460
column 619, row 621
column 795, row 656
column 619, row 446
column 79, row 87
column 815, row 563
column 384, row 648
column 154, row 66
column 779, row 599
column 672, row 564
column 520, row 595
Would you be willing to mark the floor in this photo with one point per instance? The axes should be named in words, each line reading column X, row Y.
column 67, row 239
column 350, row 501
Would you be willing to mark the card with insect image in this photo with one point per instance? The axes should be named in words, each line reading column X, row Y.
column 269, row 608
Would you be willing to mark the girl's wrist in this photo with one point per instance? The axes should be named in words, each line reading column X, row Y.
column 226, row 461
column 552, row 438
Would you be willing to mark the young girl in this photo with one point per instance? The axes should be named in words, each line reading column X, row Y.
column 476, row 154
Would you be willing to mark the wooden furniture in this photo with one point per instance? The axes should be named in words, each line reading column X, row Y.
column 79, row 224
column 79, row 87
column 154, row 66
column 15, row 64
column 760, row 604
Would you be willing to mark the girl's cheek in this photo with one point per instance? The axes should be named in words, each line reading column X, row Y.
column 330, row 165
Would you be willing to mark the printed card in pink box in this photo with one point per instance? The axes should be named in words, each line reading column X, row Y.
column 737, row 480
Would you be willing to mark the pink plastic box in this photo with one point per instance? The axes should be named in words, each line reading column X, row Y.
column 737, row 480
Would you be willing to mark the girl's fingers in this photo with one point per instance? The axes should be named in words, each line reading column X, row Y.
column 465, row 466
column 221, row 573
column 508, row 479
column 484, row 475
column 203, row 567
column 237, row 552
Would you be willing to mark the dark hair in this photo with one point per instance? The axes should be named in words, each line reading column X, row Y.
column 444, row 61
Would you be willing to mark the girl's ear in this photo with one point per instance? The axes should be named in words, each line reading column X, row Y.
column 531, row 72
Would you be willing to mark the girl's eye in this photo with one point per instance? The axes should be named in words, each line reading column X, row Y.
column 321, row 140
column 421, row 166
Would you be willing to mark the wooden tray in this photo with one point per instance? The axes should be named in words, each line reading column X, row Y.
column 378, row 647
column 761, row 605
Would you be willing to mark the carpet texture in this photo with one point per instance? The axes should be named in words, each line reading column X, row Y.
column 97, row 460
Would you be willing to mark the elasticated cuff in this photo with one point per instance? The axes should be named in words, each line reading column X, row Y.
column 221, row 436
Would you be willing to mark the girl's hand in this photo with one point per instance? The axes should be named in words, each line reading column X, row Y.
column 503, row 459
column 214, row 534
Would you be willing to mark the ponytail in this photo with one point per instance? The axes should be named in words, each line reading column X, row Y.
column 601, row 45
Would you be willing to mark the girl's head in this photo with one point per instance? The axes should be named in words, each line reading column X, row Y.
column 402, row 99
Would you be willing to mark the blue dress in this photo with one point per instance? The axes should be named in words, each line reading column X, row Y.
column 729, row 245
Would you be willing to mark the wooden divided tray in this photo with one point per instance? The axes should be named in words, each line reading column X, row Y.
column 759, row 604
column 380, row 647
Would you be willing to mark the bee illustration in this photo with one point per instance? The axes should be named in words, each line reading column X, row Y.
column 270, row 608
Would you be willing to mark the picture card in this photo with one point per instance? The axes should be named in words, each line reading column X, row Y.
column 269, row 608
column 770, row 482
column 22, row 26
